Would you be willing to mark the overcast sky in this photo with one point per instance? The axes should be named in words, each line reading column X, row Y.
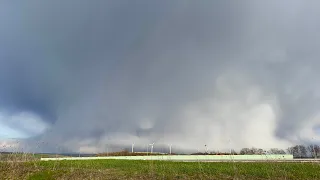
column 82, row 74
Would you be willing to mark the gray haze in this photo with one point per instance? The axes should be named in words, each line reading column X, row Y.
column 222, row 73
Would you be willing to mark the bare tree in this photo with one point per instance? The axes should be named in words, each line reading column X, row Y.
column 245, row 151
column 290, row 150
column 259, row 151
column 314, row 150
column 251, row 151
column 298, row 151
column 276, row 151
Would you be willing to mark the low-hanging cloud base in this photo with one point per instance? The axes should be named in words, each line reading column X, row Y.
column 92, row 75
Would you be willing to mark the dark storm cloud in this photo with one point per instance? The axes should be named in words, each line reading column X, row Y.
column 186, row 72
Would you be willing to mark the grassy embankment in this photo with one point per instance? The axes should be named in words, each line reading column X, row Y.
column 25, row 156
column 122, row 169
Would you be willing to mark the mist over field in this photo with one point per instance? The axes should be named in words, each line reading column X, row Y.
column 81, row 75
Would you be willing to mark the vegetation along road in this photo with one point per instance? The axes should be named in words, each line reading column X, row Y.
column 124, row 169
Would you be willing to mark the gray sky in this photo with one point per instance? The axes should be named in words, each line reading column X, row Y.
column 83, row 74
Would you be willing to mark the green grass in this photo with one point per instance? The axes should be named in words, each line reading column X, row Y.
column 123, row 169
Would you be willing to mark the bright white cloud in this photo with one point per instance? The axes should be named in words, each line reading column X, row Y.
column 21, row 125
column 7, row 132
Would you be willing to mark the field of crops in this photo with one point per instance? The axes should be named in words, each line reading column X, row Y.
column 124, row 169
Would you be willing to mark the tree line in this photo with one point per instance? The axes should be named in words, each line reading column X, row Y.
column 298, row 151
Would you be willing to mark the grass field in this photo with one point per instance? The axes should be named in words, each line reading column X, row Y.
column 123, row 169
